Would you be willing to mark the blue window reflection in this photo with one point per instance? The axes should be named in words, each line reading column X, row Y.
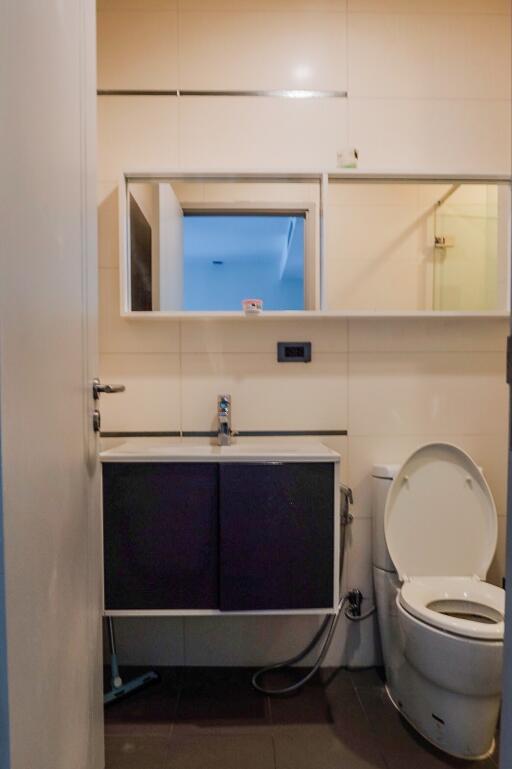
column 232, row 257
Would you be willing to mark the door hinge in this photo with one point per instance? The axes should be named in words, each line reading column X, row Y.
column 509, row 360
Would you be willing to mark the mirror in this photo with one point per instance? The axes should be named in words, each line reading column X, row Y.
column 206, row 245
column 417, row 246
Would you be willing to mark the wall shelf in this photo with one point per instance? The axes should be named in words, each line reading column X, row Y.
column 312, row 315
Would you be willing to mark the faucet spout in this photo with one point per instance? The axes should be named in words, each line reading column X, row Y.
column 224, row 431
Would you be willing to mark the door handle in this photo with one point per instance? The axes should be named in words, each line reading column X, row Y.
column 98, row 388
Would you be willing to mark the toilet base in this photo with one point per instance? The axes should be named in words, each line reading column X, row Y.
column 462, row 726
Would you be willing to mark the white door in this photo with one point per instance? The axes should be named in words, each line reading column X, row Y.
column 48, row 291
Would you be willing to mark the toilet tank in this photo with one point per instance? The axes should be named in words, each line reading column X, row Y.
column 382, row 478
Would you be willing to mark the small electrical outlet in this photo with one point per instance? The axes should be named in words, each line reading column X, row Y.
column 294, row 352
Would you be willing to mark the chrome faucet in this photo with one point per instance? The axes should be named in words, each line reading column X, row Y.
column 224, row 432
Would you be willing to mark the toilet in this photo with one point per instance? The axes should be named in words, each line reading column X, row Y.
column 441, row 625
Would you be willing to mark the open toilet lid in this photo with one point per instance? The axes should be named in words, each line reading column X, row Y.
column 440, row 518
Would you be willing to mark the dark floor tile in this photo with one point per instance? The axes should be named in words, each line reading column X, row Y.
column 148, row 711
column 323, row 748
column 401, row 745
column 434, row 760
column 351, row 725
column 136, row 752
column 307, row 706
column 221, row 752
column 216, row 699
column 394, row 735
column 429, row 757
column 336, row 679
column 367, row 677
column 340, row 720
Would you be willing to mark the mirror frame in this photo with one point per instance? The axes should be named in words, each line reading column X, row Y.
column 314, row 274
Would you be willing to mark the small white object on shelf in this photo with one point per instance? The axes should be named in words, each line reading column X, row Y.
column 252, row 306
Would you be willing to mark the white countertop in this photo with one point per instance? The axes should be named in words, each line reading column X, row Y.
column 294, row 451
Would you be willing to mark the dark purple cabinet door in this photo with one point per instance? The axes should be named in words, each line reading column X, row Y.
column 276, row 536
column 160, row 523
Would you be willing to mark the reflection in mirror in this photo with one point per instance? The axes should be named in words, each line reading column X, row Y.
column 417, row 246
column 140, row 250
column 231, row 257
column 469, row 246
column 207, row 245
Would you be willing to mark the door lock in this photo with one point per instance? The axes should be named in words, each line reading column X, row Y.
column 96, row 421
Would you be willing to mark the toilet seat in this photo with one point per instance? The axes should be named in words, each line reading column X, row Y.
column 460, row 595
column 440, row 519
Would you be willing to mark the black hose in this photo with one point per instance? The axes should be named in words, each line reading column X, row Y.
column 330, row 622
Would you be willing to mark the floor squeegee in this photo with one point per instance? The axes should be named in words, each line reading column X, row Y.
column 118, row 688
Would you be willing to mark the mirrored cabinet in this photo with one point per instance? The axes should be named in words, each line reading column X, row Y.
column 317, row 244
column 198, row 245
column 417, row 246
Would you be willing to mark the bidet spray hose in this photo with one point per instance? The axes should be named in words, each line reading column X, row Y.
column 329, row 623
column 328, row 626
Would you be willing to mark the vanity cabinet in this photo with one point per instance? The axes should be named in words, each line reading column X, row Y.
column 213, row 537
column 160, row 533
column 276, row 549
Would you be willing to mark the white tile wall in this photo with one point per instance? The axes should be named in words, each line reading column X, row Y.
column 261, row 133
column 136, row 133
column 433, row 7
column 256, row 335
column 266, row 394
column 431, row 135
column 428, row 335
column 413, row 56
column 489, row 451
column 403, row 393
column 275, row 6
column 108, row 224
column 144, row 6
column 416, row 74
column 429, row 91
column 118, row 335
column 152, row 401
column 137, row 50
column 308, row 53
column 159, row 640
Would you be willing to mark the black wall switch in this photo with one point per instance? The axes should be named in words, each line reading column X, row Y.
column 294, row 352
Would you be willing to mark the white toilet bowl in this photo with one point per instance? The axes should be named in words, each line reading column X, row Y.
column 463, row 606
column 435, row 533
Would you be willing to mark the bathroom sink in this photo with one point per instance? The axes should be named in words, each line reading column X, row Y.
column 266, row 451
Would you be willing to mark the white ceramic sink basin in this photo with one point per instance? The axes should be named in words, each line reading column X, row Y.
column 266, row 451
